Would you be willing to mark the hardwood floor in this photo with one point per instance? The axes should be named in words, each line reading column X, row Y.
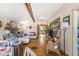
column 38, row 47
column 35, row 44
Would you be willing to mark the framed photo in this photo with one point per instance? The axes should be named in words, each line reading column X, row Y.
column 13, row 24
column 66, row 19
column 42, row 29
column 0, row 23
column 55, row 24
column 30, row 27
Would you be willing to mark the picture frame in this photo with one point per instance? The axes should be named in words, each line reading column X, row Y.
column 67, row 19
column 13, row 23
column 30, row 27
column 0, row 23
column 55, row 24
column 41, row 28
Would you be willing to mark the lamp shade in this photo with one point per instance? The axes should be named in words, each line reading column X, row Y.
column 65, row 24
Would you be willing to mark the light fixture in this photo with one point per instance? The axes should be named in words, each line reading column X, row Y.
column 41, row 17
column 24, row 22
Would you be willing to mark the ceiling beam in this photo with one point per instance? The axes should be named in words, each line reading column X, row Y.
column 30, row 11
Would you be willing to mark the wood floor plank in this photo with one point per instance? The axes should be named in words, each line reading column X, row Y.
column 37, row 46
column 40, row 48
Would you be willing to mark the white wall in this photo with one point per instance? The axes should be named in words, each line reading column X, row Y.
column 15, row 11
column 18, row 12
column 25, row 27
column 66, row 10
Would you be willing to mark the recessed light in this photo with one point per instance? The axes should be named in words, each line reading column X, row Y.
column 41, row 17
column 23, row 22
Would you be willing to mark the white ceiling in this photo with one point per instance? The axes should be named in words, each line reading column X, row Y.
column 18, row 11
column 44, row 10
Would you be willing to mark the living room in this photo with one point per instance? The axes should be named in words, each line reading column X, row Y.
column 34, row 26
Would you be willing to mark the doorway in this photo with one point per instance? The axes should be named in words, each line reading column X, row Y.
column 75, row 34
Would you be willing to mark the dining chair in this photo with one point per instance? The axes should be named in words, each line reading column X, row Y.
column 29, row 52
